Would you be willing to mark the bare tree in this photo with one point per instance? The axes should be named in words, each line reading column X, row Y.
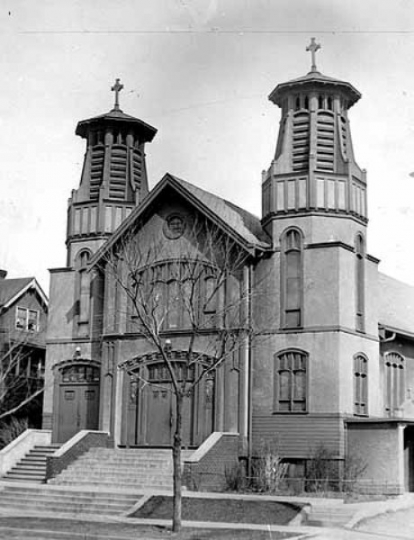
column 21, row 372
column 193, row 283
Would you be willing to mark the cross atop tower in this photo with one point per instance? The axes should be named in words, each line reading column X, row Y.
column 313, row 47
column 117, row 87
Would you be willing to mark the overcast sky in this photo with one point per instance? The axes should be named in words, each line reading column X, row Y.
column 199, row 71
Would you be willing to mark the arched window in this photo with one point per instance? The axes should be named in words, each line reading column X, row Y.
column 292, row 279
column 394, row 381
column 290, row 381
column 330, row 107
column 83, row 288
column 306, row 103
column 176, row 295
column 359, row 282
column 360, row 385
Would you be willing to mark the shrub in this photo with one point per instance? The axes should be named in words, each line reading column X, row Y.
column 269, row 471
column 11, row 430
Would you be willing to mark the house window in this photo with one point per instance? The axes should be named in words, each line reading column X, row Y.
column 360, row 385
column 291, row 273
column 27, row 319
column 360, row 282
column 394, row 381
column 290, row 382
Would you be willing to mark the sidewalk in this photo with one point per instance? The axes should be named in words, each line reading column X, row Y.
column 355, row 513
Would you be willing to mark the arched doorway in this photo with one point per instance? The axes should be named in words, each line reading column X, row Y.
column 78, row 398
column 149, row 415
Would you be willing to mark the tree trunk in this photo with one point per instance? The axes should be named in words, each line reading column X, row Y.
column 177, row 464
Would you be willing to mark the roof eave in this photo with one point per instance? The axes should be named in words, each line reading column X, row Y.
column 168, row 179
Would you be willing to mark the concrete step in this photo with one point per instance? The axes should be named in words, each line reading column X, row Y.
column 32, row 467
column 21, row 533
column 47, row 500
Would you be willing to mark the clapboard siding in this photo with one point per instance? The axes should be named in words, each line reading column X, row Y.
column 298, row 436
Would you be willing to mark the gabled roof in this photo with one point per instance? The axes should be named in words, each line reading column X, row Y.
column 245, row 228
column 13, row 289
column 396, row 305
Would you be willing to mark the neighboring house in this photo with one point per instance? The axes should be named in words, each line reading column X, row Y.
column 23, row 318
column 333, row 359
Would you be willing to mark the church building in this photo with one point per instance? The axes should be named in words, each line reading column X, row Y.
column 324, row 347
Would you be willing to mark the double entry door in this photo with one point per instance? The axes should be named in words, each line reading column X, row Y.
column 150, row 415
column 78, row 401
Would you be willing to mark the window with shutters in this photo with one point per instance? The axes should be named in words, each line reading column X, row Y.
column 290, row 382
column 394, row 382
column 360, row 385
column 292, row 279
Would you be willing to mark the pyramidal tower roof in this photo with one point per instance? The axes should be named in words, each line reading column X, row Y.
column 116, row 117
column 314, row 79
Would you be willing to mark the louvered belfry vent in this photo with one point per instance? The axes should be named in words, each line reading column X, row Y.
column 118, row 172
column 137, row 161
column 325, row 145
column 300, row 150
column 97, row 164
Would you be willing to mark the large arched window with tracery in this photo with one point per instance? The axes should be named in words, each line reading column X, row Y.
column 292, row 279
column 176, row 295
column 394, row 381
column 290, row 381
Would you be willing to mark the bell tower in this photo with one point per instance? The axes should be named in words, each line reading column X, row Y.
column 114, row 177
column 314, row 172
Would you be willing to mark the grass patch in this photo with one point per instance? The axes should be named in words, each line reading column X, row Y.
column 14, row 527
column 221, row 510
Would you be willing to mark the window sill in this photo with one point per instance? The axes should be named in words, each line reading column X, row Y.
column 300, row 413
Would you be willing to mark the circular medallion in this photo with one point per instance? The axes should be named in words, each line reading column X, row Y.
column 174, row 226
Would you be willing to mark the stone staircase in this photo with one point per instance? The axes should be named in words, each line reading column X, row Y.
column 121, row 468
column 36, row 500
column 32, row 468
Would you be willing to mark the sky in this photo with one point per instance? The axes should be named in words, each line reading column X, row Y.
column 200, row 71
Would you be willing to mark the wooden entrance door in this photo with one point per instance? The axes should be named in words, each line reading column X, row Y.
column 78, row 400
column 150, row 413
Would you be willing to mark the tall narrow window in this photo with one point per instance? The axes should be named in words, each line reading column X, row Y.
column 292, row 279
column 394, row 382
column 360, row 385
column 83, row 286
column 290, row 382
column 360, row 282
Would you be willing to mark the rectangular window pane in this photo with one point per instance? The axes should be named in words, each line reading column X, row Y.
column 293, row 294
column 320, row 193
column 280, row 196
column 302, row 193
column 33, row 321
column 291, row 195
column 21, row 317
column 284, row 386
column 331, row 193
